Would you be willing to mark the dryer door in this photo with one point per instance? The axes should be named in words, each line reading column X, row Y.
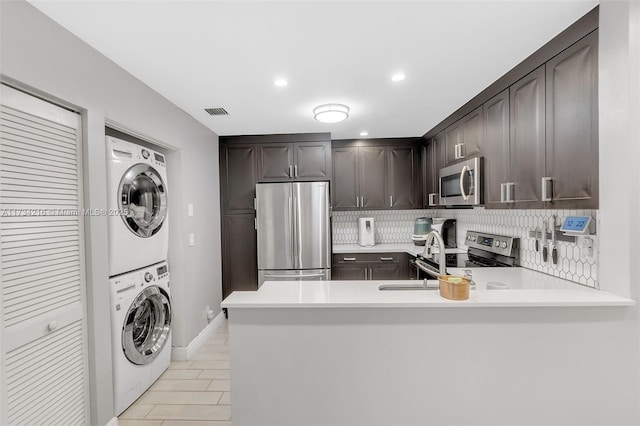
column 146, row 326
column 143, row 200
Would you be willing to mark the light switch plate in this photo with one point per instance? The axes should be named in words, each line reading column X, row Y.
column 190, row 209
column 192, row 240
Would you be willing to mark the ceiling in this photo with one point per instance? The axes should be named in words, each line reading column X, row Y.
column 201, row 54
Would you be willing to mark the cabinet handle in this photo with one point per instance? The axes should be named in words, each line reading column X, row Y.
column 52, row 325
column 365, row 274
column 384, row 259
column 510, row 187
column 503, row 190
column 290, row 173
column 295, row 171
column 370, row 274
column 255, row 223
column 461, row 150
column 357, row 202
column 432, row 199
column 348, row 259
column 362, row 201
column 547, row 189
column 254, row 204
column 390, row 201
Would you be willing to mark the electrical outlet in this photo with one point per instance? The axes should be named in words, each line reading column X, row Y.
column 192, row 239
column 190, row 209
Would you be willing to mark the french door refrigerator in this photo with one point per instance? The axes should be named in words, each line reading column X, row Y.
column 294, row 231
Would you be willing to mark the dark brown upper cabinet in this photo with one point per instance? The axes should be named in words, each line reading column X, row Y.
column 464, row 138
column 345, row 191
column 540, row 127
column 433, row 161
column 301, row 161
column 373, row 178
column 402, row 177
column 376, row 176
column 572, row 126
column 497, row 173
column 238, row 177
column 527, row 139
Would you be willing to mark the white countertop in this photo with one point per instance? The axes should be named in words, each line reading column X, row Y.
column 527, row 289
column 409, row 248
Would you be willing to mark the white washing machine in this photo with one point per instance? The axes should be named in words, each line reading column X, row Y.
column 141, row 331
column 138, row 216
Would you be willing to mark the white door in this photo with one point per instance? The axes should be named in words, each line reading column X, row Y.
column 43, row 352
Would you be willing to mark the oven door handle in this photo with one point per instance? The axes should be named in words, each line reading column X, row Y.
column 427, row 268
column 465, row 169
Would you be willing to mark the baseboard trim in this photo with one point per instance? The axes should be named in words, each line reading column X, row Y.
column 179, row 353
column 113, row 422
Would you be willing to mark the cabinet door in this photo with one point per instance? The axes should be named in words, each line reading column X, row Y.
column 472, row 134
column 349, row 272
column 239, row 176
column 527, row 137
column 312, row 161
column 344, row 192
column 275, row 162
column 452, row 138
column 496, row 149
column 240, row 256
column 572, row 125
column 402, row 178
column 434, row 162
column 385, row 271
column 372, row 173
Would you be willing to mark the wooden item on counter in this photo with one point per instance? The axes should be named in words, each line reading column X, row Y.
column 454, row 287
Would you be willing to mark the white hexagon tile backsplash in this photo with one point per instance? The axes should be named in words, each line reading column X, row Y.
column 396, row 226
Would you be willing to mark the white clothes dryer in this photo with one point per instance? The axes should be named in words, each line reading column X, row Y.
column 141, row 315
column 138, row 216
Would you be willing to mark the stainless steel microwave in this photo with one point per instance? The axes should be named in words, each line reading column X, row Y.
column 461, row 183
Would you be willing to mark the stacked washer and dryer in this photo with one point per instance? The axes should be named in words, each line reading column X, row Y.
column 141, row 308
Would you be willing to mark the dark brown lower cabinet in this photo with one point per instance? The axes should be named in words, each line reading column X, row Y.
column 349, row 272
column 370, row 266
column 239, row 258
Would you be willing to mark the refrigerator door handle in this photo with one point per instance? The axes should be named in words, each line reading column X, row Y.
column 296, row 234
column 320, row 274
column 291, row 236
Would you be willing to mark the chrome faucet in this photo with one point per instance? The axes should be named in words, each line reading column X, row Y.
column 428, row 245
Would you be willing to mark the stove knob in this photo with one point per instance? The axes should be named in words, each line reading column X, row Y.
column 504, row 244
column 148, row 277
column 497, row 243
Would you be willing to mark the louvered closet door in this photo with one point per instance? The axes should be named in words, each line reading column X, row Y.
column 44, row 354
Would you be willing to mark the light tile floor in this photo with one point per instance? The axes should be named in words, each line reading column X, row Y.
column 190, row 393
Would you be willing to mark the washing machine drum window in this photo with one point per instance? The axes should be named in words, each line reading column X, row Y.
column 147, row 326
column 143, row 200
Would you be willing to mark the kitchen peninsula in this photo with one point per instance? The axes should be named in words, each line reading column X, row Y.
column 343, row 352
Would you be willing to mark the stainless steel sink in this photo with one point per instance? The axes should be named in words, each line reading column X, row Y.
column 431, row 285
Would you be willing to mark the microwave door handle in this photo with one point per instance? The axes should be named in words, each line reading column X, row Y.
column 465, row 169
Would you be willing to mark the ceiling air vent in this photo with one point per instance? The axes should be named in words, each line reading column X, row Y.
column 216, row 111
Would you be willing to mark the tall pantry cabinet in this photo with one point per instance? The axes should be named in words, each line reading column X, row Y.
column 43, row 348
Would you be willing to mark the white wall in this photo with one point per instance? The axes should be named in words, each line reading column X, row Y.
column 38, row 53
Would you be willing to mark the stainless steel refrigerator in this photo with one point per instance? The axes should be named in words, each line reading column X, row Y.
column 294, row 231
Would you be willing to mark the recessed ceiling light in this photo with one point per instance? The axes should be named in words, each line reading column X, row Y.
column 331, row 113
column 281, row 82
column 365, row 133
column 399, row 76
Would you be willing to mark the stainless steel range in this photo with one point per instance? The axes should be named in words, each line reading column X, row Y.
column 485, row 251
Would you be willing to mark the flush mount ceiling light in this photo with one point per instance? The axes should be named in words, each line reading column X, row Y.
column 281, row 82
column 365, row 133
column 331, row 113
column 399, row 76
